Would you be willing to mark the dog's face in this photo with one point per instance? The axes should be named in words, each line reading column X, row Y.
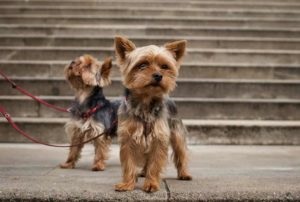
column 86, row 71
column 149, row 69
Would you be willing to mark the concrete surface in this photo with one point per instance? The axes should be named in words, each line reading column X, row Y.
column 44, row 69
column 188, row 108
column 30, row 173
column 193, row 88
column 108, row 41
column 201, row 132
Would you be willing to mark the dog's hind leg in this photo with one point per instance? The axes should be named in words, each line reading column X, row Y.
column 101, row 153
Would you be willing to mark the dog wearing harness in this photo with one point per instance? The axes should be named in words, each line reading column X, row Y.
column 91, row 113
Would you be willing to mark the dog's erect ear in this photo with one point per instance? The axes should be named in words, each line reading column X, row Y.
column 104, row 79
column 122, row 47
column 177, row 48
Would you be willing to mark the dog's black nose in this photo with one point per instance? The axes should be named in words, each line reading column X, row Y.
column 157, row 77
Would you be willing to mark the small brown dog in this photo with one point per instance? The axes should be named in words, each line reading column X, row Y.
column 87, row 77
column 147, row 121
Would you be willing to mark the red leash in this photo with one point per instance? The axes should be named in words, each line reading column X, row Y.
column 84, row 115
column 14, row 125
column 25, row 92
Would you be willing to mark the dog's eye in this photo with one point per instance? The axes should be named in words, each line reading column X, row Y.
column 165, row 67
column 143, row 65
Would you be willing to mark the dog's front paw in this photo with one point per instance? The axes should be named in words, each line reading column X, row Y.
column 67, row 165
column 124, row 186
column 98, row 167
column 150, row 186
column 185, row 176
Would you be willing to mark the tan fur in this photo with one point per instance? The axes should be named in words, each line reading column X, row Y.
column 83, row 74
column 178, row 143
column 143, row 129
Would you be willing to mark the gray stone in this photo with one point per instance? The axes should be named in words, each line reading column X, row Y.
column 196, row 88
column 146, row 11
column 142, row 30
column 239, row 81
column 257, row 173
column 188, row 108
column 193, row 42
column 193, row 55
column 226, row 132
column 39, row 69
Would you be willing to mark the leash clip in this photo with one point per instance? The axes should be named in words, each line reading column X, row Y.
column 85, row 116
column 13, row 85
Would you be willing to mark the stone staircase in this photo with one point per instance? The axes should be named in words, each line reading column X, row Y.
column 239, row 84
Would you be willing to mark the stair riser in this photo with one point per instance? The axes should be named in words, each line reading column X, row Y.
column 186, row 71
column 137, row 12
column 205, row 56
column 42, row 70
column 238, row 135
column 151, row 31
column 184, row 89
column 187, row 110
column 140, row 21
column 54, row 133
column 156, row 4
column 104, row 42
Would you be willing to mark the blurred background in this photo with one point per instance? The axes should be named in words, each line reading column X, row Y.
column 239, row 82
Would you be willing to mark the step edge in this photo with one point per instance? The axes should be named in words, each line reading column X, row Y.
column 154, row 37
column 179, row 80
column 187, row 122
column 176, row 99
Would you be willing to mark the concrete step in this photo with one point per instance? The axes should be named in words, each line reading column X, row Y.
column 170, row 4
column 147, row 11
column 198, row 88
column 188, row 70
column 193, row 42
column 149, row 30
column 250, row 132
column 189, row 108
column 149, row 20
column 193, row 55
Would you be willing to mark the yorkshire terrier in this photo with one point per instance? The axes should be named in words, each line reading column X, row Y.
column 147, row 121
column 91, row 113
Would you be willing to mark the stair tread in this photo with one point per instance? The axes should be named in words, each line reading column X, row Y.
column 171, row 1
column 191, row 80
column 190, row 122
column 240, row 65
column 116, row 7
column 177, row 99
column 204, row 50
column 208, row 38
column 122, row 26
column 182, row 18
